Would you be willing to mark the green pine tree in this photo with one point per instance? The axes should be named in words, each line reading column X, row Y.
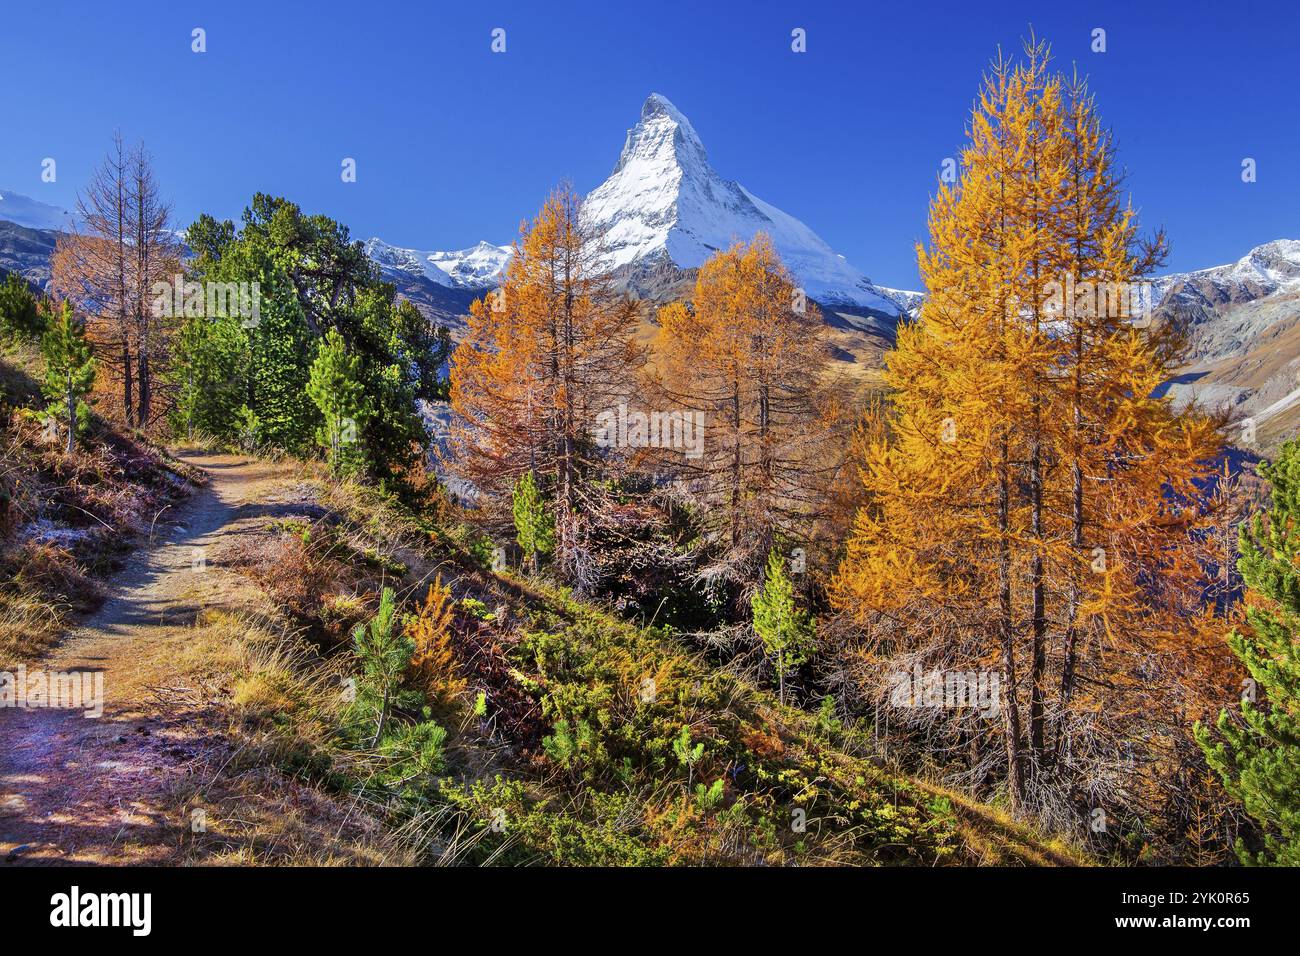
column 400, row 354
column 1258, row 755
column 313, row 278
column 786, row 631
column 688, row 754
column 69, row 373
column 385, row 652
column 20, row 314
column 209, row 372
column 534, row 525
column 280, row 351
column 335, row 387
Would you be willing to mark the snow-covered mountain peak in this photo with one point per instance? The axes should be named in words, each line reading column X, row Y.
column 1266, row 269
column 477, row 267
column 663, row 138
column 664, row 200
column 664, row 203
column 1276, row 261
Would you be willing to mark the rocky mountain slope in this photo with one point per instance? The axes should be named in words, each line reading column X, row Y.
column 28, row 230
column 1243, row 322
column 32, row 213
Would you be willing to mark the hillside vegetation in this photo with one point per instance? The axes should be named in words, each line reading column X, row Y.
column 543, row 729
column 677, row 582
column 66, row 521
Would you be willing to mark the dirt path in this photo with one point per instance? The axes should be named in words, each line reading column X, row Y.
column 82, row 790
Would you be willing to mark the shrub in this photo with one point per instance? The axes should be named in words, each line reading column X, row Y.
column 20, row 314
column 433, row 659
column 385, row 655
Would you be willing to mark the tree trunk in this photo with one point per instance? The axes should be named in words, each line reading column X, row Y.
column 780, row 674
column 71, row 400
column 1011, row 706
column 1069, row 643
column 735, row 467
column 128, row 392
column 383, row 717
column 1038, row 664
column 144, row 389
column 1038, row 614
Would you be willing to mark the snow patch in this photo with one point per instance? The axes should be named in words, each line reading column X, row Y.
column 45, row 531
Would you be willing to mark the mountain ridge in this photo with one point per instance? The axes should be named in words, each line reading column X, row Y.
column 32, row 213
column 1242, row 317
column 664, row 205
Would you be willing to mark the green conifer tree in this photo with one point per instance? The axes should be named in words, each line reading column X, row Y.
column 310, row 278
column 534, row 525
column 280, row 351
column 69, row 373
column 210, row 375
column 385, row 653
column 20, row 313
column 1258, row 755
column 335, row 388
column 786, row 631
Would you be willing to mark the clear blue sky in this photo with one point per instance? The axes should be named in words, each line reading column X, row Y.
column 455, row 144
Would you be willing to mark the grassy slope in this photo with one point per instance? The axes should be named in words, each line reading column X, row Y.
column 66, row 521
column 607, row 787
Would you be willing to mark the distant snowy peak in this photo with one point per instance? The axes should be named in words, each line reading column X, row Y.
column 478, row 267
column 908, row 301
column 1265, row 270
column 664, row 200
column 31, row 213
column 1271, row 269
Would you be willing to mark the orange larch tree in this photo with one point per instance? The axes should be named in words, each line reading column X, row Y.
column 747, row 356
column 545, row 355
column 107, row 268
column 1034, row 511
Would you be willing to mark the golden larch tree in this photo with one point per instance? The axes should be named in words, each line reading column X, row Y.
column 1033, row 510
column 545, row 354
column 747, row 355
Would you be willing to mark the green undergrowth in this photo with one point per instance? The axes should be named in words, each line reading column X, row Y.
column 577, row 738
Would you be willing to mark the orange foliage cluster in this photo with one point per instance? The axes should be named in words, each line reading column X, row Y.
column 544, row 355
column 434, row 659
column 747, row 355
column 1033, row 509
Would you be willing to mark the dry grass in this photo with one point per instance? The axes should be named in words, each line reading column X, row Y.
column 278, row 704
column 66, row 520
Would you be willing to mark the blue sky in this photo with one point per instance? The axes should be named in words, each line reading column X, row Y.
column 454, row 143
